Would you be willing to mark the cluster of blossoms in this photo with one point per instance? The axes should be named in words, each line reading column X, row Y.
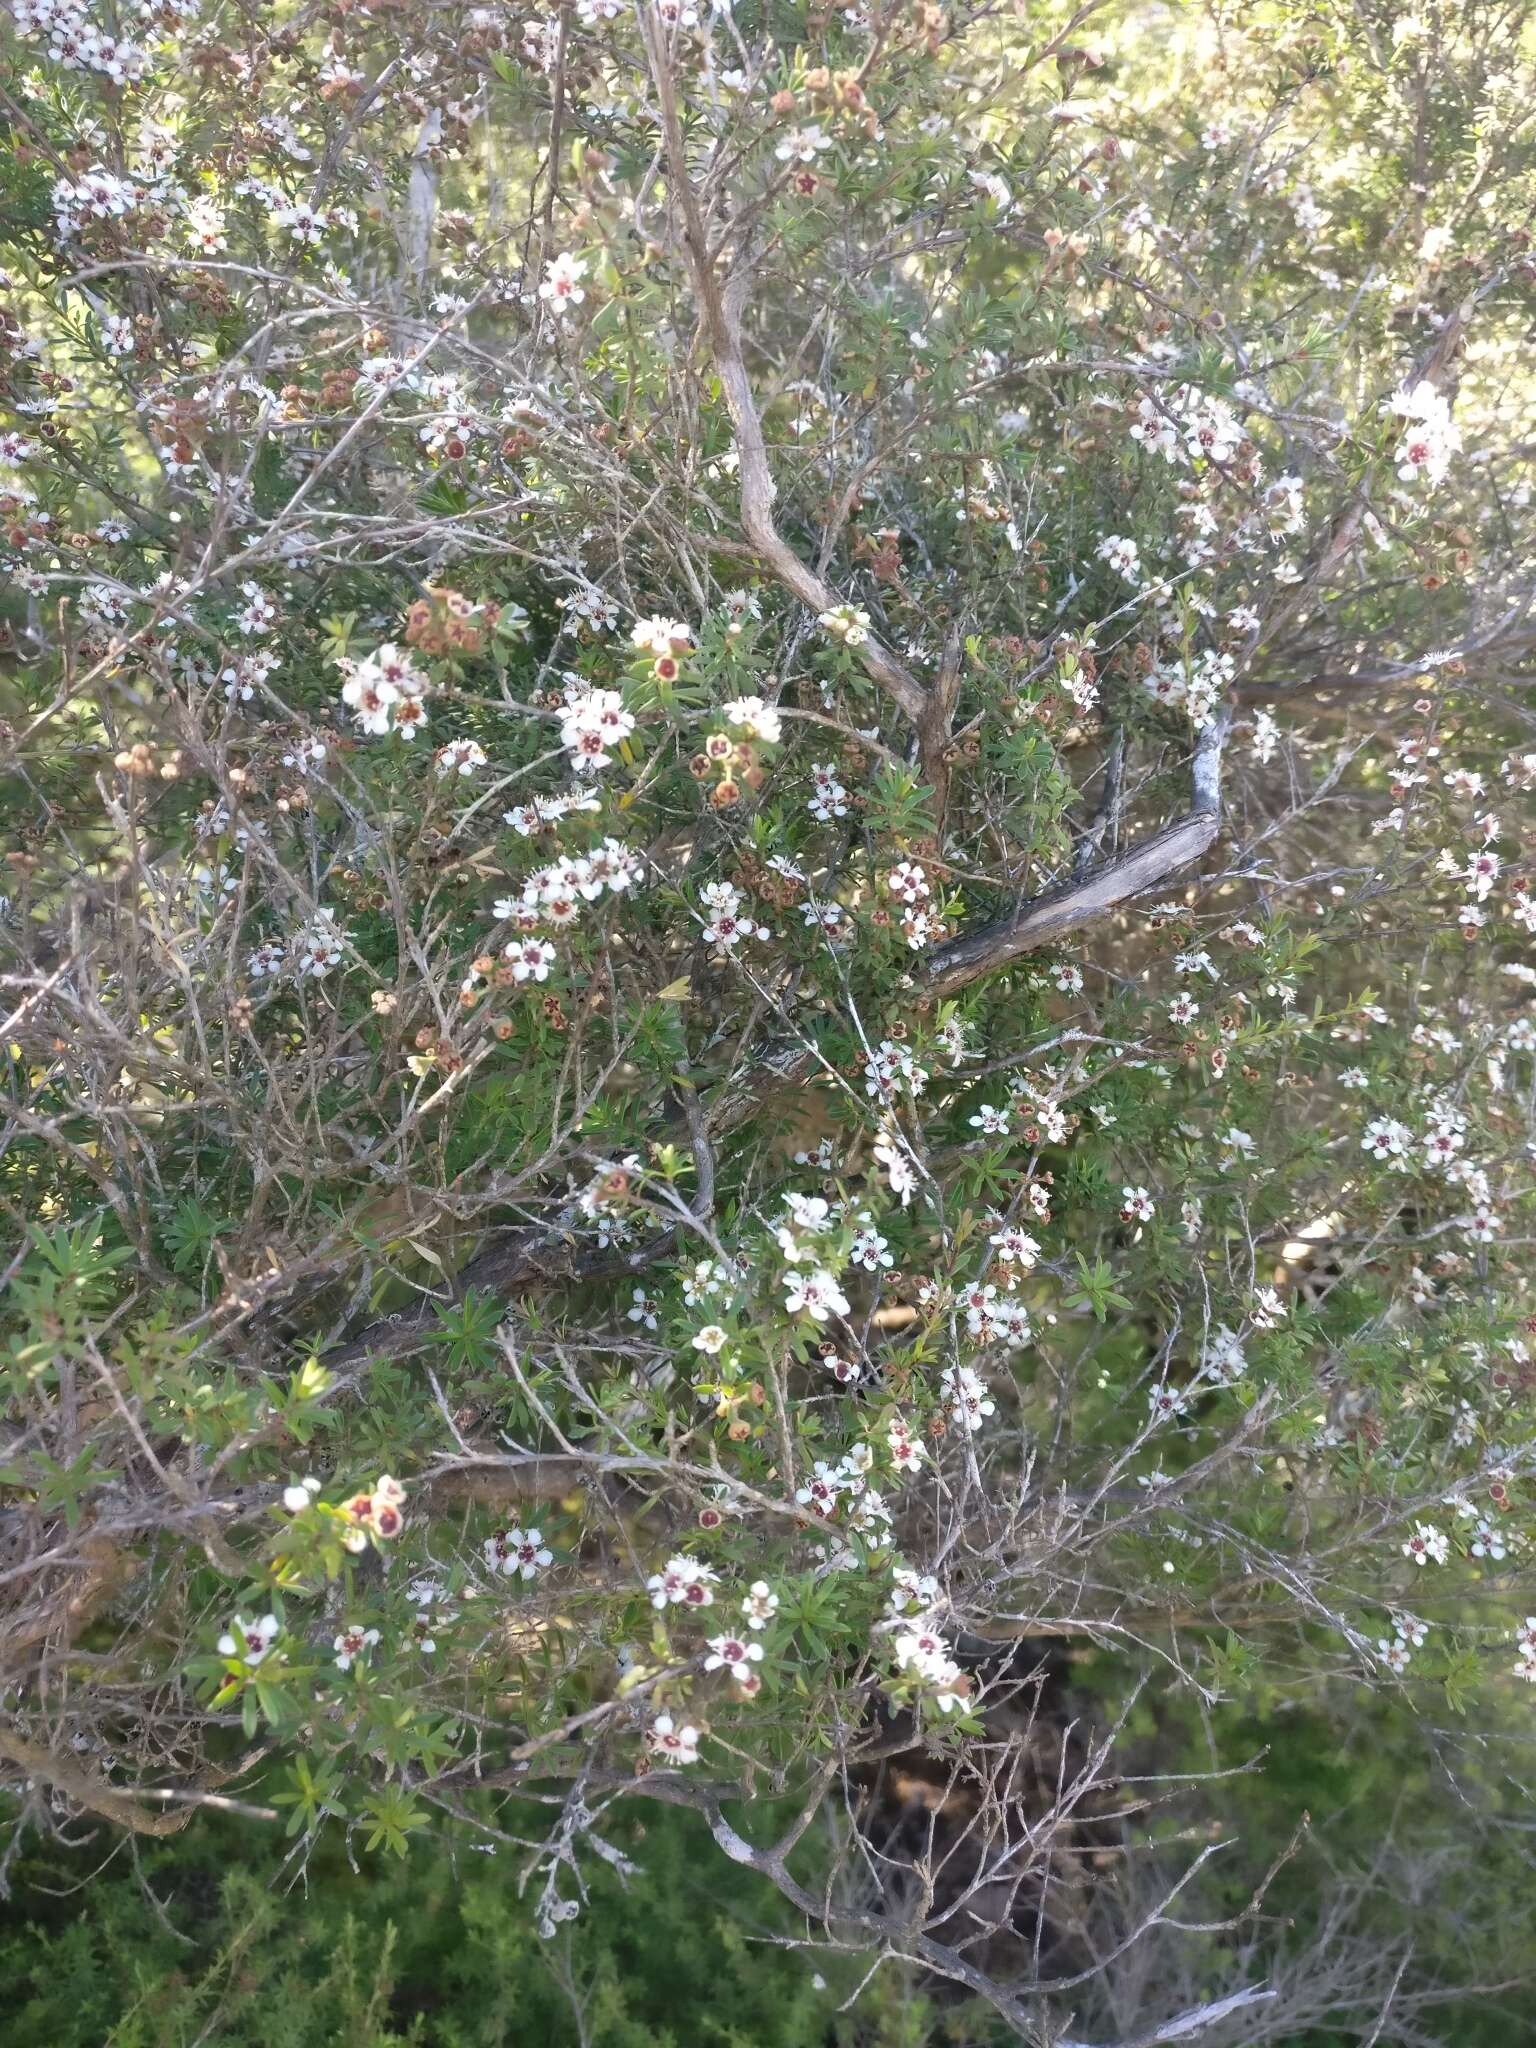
column 725, row 927
column 386, row 692
column 684, row 1582
column 553, row 897
column 1224, row 1359
column 923, row 1655
column 319, row 947
column 846, row 622
column 1122, row 555
column 830, row 1485
column 97, row 196
column 592, row 721
column 542, row 813
column 77, row 43
column 1427, row 1545
column 311, row 953
column 909, row 888
column 828, row 798
column 810, row 1286
column 1408, row 1634
column 759, row 721
column 1190, row 426
column 993, row 1318
column 969, row 1401
column 1196, row 688
column 1439, row 1148
column 374, row 1515
column 1525, row 1644
column 666, row 641
column 1430, row 436
column 907, row 1451
column 891, row 1070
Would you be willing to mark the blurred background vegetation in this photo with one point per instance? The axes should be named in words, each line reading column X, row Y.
column 224, row 1937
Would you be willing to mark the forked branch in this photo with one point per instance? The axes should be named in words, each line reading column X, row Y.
column 720, row 310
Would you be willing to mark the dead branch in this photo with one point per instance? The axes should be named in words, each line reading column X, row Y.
column 1043, row 918
column 720, row 309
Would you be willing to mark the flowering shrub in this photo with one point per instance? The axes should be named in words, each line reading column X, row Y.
column 768, row 799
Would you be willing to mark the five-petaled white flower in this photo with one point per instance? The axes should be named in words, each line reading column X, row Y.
column 730, row 1653
column 249, row 1640
column 517, row 1552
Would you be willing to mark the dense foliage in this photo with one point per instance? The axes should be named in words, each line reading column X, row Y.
column 767, row 970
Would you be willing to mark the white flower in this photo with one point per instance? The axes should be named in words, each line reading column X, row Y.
column 643, row 1309
column 249, row 1640
column 822, row 1490
column 815, row 1294
column 760, row 1604
column 1430, row 436
column 803, row 146
column 530, row 959
column 1225, row 1359
column 299, row 1496
column 951, row 1688
column 385, row 691
column 807, row 1216
column 730, row 1653
column 266, row 960
column 1164, row 1402
column 1386, row 1138
column 990, row 1120
column 659, row 635
column 560, row 286
column 1015, row 1247
column 922, row 1651
column 1122, row 555
column 306, row 224
column 871, row 1251
column 351, row 1643
column 674, row 1742
column 912, row 1592
column 317, row 948
column 830, row 799
column 969, row 1401
column 907, row 1451
column 517, row 1553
